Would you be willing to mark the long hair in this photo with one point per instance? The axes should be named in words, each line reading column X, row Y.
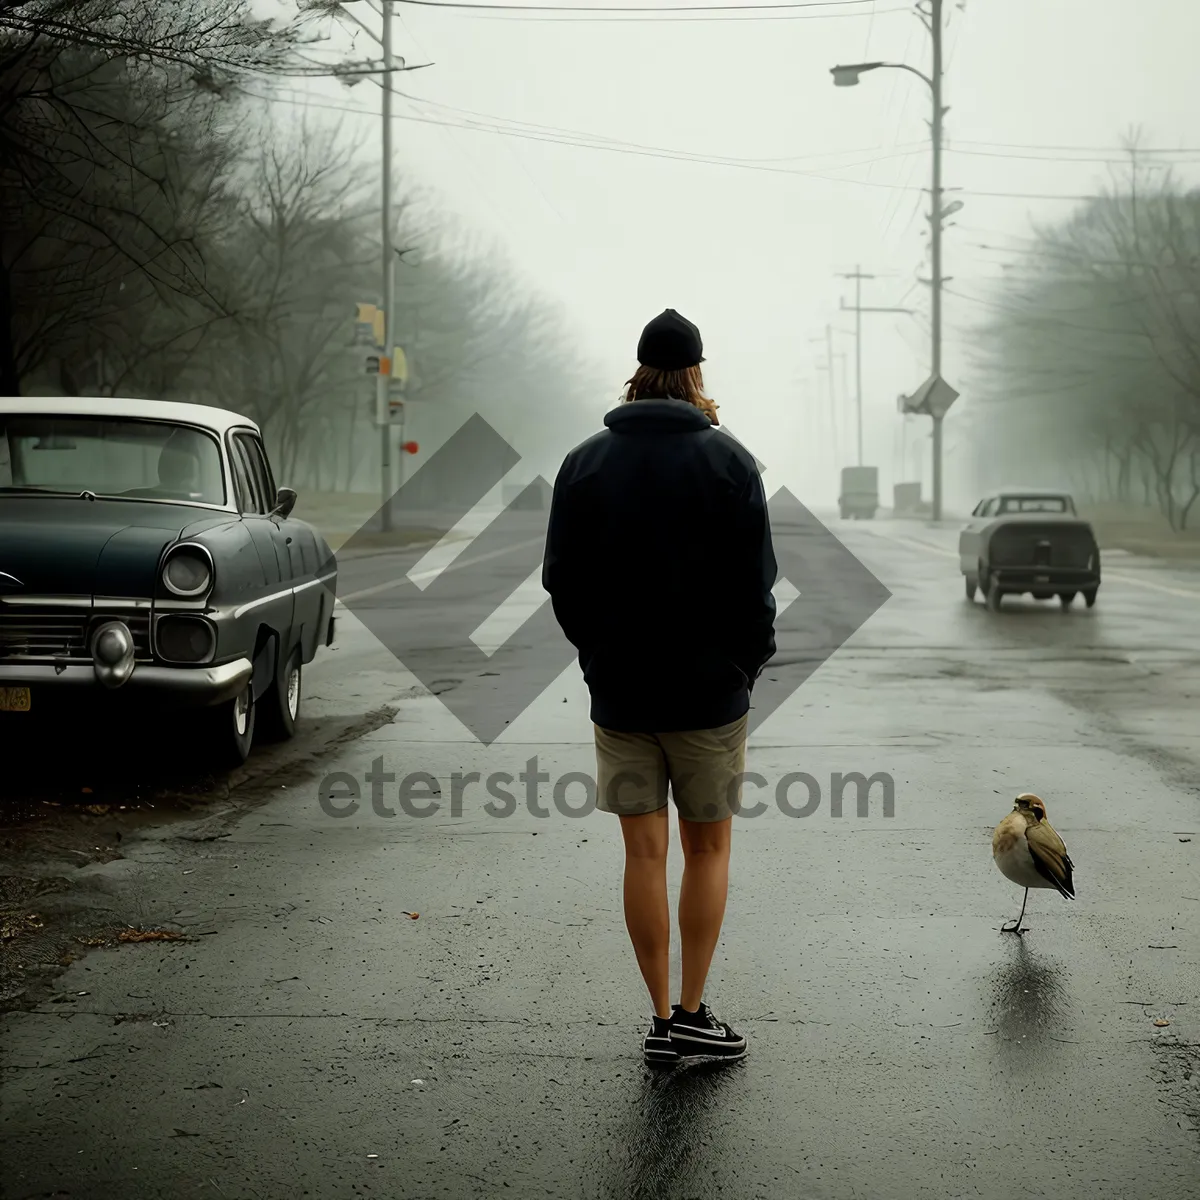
column 648, row 383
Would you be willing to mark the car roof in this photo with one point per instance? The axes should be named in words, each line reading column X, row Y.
column 1027, row 491
column 216, row 419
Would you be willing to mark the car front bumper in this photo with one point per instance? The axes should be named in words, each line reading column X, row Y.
column 170, row 686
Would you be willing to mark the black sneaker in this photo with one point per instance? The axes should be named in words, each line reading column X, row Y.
column 700, row 1035
column 656, row 1045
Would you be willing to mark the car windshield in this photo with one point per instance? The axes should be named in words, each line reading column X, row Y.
column 1034, row 504
column 109, row 456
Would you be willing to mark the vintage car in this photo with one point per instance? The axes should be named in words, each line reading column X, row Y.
column 148, row 559
column 1026, row 541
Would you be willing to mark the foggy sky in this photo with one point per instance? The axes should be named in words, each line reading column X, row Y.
column 752, row 255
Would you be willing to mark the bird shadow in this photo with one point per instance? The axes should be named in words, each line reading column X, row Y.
column 669, row 1130
column 1030, row 1002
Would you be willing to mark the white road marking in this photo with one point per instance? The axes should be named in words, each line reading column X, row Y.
column 930, row 548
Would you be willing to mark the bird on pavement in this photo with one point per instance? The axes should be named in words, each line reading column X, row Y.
column 1028, row 851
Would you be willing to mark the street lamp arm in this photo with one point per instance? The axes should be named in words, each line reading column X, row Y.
column 912, row 70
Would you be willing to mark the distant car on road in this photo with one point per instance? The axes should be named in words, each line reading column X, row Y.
column 147, row 558
column 1029, row 542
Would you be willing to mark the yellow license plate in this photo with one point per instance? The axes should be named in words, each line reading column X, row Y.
column 14, row 699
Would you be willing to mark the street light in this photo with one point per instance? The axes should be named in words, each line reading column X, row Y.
column 389, row 66
column 848, row 75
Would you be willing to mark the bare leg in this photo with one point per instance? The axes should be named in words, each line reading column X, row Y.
column 1015, row 927
column 702, row 901
column 647, row 913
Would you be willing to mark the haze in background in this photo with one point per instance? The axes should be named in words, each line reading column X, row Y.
column 752, row 253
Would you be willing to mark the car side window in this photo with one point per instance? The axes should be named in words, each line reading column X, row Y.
column 988, row 507
column 261, row 468
column 241, row 483
column 252, row 499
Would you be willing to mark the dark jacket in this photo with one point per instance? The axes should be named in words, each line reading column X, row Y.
column 660, row 567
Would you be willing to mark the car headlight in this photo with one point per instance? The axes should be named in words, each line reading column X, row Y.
column 187, row 573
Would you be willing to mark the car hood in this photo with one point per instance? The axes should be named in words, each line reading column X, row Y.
column 65, row 546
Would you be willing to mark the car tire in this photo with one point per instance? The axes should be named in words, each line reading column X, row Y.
column 1089, row 597
column 280, row 704
column 1067, row 599
column 230, row 730
column 972, row 588
column 995, row 596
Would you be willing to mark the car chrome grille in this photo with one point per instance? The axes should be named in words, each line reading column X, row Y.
column 31, row 632
column 43, row 632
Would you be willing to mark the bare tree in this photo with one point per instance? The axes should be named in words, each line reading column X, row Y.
column 1093, row 347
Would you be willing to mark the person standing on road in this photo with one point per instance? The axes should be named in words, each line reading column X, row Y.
column 660, row 568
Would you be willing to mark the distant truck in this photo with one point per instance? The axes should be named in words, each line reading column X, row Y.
column 906, row 499
column 860, row 493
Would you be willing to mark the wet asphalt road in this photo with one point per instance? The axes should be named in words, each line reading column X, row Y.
column 311, row 1039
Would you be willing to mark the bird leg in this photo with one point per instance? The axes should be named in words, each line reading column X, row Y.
column 1015, row 927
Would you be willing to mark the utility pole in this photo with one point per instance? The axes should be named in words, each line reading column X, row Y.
column 936, row 395
column 389, row 289
column 858, row 310
column 827, row 342
column 937, row 217
column 858, row 277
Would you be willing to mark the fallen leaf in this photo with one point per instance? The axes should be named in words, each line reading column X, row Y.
column 1161, row 1023
column 97, row 810
column 414, row 916
column 149, row 935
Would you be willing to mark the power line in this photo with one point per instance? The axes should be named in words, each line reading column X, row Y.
column 684, row 20
column 674, row 155
column 626, row 8
column 905, row 147
column 1047, row 158
column 1124, row 150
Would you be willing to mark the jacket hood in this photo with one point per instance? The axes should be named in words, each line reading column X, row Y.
column 65, row 546
column 656, row 416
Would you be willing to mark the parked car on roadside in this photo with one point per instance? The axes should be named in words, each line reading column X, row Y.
column 147, row 558
column 1029, row 542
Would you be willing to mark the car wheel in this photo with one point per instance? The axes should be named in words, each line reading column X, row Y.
column 281, row 703
column 1089, row 597
column 1067, row 598
column 994, row 595
column 972, row 587
column 230, row 732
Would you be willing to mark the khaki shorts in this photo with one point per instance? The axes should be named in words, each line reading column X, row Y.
column 703, row 769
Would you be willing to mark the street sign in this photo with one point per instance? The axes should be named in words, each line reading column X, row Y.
column 933, row 398
column 364, row 325
column 400, row 366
